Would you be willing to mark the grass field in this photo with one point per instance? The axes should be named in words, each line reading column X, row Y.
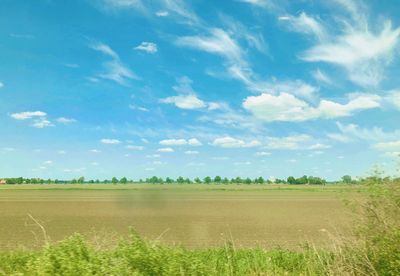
column 191, row 215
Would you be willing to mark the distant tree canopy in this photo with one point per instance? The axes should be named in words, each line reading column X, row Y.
column 303, row 180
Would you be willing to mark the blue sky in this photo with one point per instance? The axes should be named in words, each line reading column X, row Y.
column 136, row 88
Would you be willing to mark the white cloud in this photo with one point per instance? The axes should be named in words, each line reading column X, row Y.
column 179, row 8
column 394, row 98
column 293, row 142
column 148, row 47
column 48, row 162
column 286, row 107
column 140, row 108
column 132, row 147
column 218, row 42
column 305, row 24
column 123, row 4
column 270, row 5
column 64, row 120
column 153, row 156
column 321, row 77
column 42, row 123
column 1, row 84
column 360, row 52
column 117, row 72
column 105, row 49
column 165, row 150
column 262, row 153
column 162, row 13
column 110, row 141
column 173, row 142
column 352, row 132
column 318, row 146
column 115, row 69
column 242, row 163
column 392, row 146
column 185, row 101
column 180, row 142
column 188, row 98
column 61, row 152
column 338, row 137
column 230, row 142
column 28, row 115
column 95, row 151
column 191, row 152
column 194, row 142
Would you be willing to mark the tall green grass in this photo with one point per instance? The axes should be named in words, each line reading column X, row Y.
column 375, row 252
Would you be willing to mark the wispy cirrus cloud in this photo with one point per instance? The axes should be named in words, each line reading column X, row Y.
column 115, row 70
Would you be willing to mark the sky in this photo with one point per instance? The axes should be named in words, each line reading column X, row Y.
column 102, row 88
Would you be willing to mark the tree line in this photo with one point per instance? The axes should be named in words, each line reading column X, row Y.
column 179, row 180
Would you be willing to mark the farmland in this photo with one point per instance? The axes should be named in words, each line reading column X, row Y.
column 196, row 216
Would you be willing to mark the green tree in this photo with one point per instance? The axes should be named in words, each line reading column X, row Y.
column 114, row 180
column 346, row 179
column 207, row 180
column 247, row 181
column 259, row 180
column 225, row 180
column 291, row 180
column 180, row 180
column 197, row 180
column 302, row 180
column 217, row 179
column 123, row 180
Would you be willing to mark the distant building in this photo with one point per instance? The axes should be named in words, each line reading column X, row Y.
column 3, row 181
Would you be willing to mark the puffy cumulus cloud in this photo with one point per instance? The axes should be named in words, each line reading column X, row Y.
column 286, row 107
column 165, row 150
column 42, row 123
column 148, row 47
column 180, row 142
column 133, row 147
column 110, row 141
column 28, row 115
column 230, row 142
column 64, row 120
column 173, row 142
column 187, row 98
column 185, row 101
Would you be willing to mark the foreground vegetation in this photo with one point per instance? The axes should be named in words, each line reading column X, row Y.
column 375, row 252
